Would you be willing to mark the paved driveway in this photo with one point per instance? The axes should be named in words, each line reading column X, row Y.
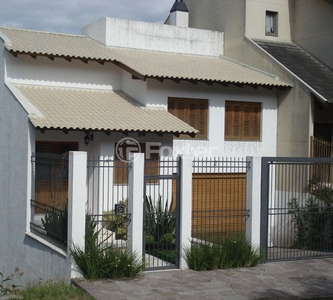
column 275, row 280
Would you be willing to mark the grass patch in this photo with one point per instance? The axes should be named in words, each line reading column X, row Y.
column 229, row 252
column 57, row 291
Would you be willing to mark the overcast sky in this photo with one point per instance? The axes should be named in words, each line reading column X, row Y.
column 69, row 16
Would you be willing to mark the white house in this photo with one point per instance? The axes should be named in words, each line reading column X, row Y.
column 168, row 87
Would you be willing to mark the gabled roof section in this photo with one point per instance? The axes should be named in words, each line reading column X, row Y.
column 99, row 110
column 304, row 66
column 141, row 63
column 53, row 44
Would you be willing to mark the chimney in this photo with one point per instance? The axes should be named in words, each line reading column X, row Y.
column 179, row 14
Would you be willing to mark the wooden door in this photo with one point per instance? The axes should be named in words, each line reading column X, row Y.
column 51, row 176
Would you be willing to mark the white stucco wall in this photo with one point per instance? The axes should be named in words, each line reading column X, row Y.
column 135, row 88
column 153, row 36
column 215, row 145
column 76, row 73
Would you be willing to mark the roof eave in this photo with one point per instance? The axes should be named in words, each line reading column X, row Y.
column 109, row 130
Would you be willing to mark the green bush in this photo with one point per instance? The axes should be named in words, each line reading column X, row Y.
column 313, row 222
column 229, row 252
column 117, row 223
column 99, row 262
column 55, row 224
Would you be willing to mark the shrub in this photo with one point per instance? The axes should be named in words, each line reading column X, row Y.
column 229, row 252
column 104, row 262
column 117, row 223
column 313, row 222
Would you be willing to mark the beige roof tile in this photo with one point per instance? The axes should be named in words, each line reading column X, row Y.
column 146, row 63
column 88, row 109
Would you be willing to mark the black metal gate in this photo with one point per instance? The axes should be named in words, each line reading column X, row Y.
column 296, row 208
column 161, row 214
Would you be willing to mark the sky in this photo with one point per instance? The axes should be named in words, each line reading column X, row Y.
column 69, row 16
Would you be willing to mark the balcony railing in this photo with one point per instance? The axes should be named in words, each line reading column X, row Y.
column 53, row 222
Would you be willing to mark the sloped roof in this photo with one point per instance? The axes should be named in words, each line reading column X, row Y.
column 100, row 110
column 154, row 64
column 304, row 66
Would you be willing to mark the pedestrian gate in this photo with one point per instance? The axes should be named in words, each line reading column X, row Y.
column 161, row 214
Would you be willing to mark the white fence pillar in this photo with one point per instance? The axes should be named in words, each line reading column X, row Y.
column 185, row 207
column 135, row 204
column 253, row 200
column 77, row 198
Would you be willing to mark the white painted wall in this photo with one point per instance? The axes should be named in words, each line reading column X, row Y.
column 153, row 36
column 135, row 88
column 43, row 71
column 215, row 145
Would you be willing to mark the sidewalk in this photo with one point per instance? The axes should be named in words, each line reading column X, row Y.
column 275, row 280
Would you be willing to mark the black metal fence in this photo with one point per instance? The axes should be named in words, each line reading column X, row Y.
column 52, row 223
column 161, row 214
column 50, row 195
column 218, row 198
column 296, row 206
column 50, row 179
column 108, row 199
column 110, row 229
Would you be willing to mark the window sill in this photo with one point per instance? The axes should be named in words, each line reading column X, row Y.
column 190, row 139
column 256, row 141
column 61, row 250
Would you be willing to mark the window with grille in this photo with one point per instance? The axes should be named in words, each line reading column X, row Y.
column 242, row 121
column 193, row 112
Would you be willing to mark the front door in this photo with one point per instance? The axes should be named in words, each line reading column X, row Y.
column 51, row 185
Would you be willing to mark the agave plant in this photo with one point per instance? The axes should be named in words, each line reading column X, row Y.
column 160, row 219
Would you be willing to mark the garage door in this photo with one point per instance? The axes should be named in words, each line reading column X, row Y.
column 218, row 204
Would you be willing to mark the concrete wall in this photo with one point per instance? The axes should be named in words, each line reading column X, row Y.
column 153, row 36
column 240, row 18
column 227, row 16
column 313, row 28
column 256, row 16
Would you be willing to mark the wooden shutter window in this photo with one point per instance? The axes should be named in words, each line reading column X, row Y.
column 121, row 167
column 242, row 120
column 192, row 111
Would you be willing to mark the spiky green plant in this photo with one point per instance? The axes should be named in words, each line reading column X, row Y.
column 98, row 261
column 160, row 219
